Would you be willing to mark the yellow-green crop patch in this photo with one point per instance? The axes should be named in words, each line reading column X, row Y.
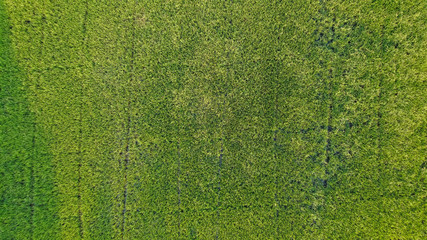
column 243, row 119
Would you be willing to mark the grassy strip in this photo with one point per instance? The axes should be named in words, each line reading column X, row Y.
column 198, row 110
column 29, row 207
column 160, row 146
column 108, row 99
column 147, row 168
column 358, row 200
column 64, row 42
column 17, row 132
column 53, row 64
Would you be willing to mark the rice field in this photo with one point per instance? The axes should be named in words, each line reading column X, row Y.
column 243, row 119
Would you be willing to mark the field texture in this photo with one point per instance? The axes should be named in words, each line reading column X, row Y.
column 244, row 119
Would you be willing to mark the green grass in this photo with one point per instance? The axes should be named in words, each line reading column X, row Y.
column 28, row 199
column 213, row 119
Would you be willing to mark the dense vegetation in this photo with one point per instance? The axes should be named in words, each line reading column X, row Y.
column 149, row 119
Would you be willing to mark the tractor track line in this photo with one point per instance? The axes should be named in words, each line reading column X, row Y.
column 129, row 121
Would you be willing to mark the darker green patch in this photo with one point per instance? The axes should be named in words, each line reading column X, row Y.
column 26, row 193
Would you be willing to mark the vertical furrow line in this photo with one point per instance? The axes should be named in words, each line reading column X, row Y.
column 219, row 182
column 179, row 190
column 380, row 85
column 224, row 92
column 219, row 169
column 275, row 149
column 85, row 50
column 31, row 194
column 125, row 187
column 276, row 182
column 329, row 92
column 129, row 112
column 276, row 168
column 329, row 116
column 34, row 148
column 221, row 153
column 329, row 89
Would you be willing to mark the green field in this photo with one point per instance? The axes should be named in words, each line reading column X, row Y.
column 232, row 119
